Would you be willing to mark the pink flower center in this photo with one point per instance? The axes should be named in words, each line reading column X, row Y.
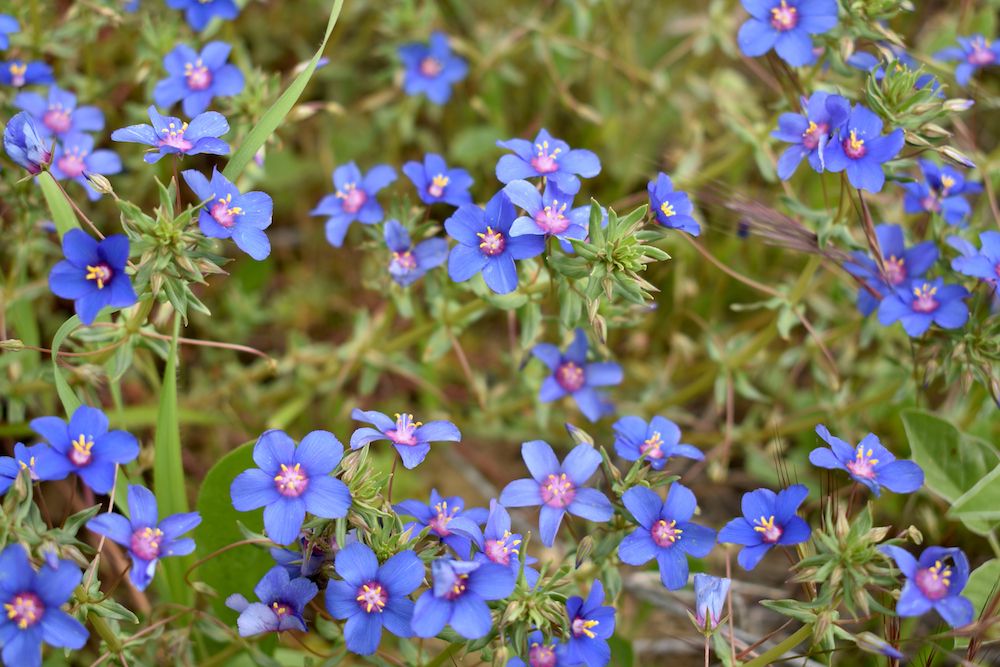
column 444, row 514
column 581, row 627
column 540, row 655
column 224, row 213
column 71, row 163
column 430, row 67
column 854, row 147
column 500, row 551
column 198, row 76
column 552, row 218
column 923, row 299
column 173, row 136
column 812, row 135
column 895, row 269
column 863, row 464
column 146, row 543
column 17, row 74
column 783, row 17
column 544, row 161
column 405, row 426
column 768, row 530
column 404, row 260
column 666, row 533
column 354, row 198
column 934, row 581
column 557, row 491
column 981, row 54
column 24, row 609
column 437, row 186
column 291, row 482
column 570, row 376
column 652, row 446
column 281, row 609
column 57, row 119
column 372, row 597
column 931, row 203
column 492, row 242
column 458, row 588
column 80, row 451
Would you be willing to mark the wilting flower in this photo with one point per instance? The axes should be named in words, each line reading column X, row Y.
column 501, row 546
column 548, row 157
column 709, row 597
column 372, row 596
column 93, row 274
column 657, row 442
column 57, row 114
column 786, row 26
column 940, row 192
column 984, row 263
column 931, row 583
column 902, row 266
column 860, row 148
column 591, row 625
column 448, row 520
column 8, row 26
column 291, row 481
column 973, row 53
column 229, row 214
column 75, row 159
column 810, row 132
column 170, row 136
column 18, row 73
column 869, row 463
column 548, row 214
column 282, row 601
column 672, row 207
column 573, row 375
column 24, row 144
column 768, row 519
column 922, row 303
column 411, row 439
column 409, row 262
column 458, row 597
column 431, row 69
column 200, row 12
column 354, row 199
column 436, row 183
column 197, row 78
column 558, row 487
column 541, row 653
column 144, row 536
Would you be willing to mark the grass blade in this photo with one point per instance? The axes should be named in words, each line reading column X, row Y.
column 62, row 213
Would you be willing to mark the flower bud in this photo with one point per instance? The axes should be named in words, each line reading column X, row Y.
column 24, row 145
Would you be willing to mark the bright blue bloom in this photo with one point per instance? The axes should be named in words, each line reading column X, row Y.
column 93, row 274
column 458, row 597
column 32, row 604
column 870, row 63
column 709, row 598
column 810, row 132
column 448, row 520
column 869, row 463
column 974, row 53
column 372, row 596
column 57, row 114
column 24, row 458
column 436, row 183
column 502, row 547
column 672, row 208
column 170, row 136
column 548, row 214
column 860, row 149
column 229, row 214
column 547, row 157
column 558, row 487
column 573, row 375
column 84, row 446
column 8, row 26
column 902, row 266
column 411, row 439
column 354, row 199
column 18, row 73
column 290, row 481
column 75, row 158
column 432, row 69
column 24, row 144
column 197, row 78
column 200, row 12
column 768, row 519
column 144, row 536
column 984, row 263
column 940, row 192
column 409, row 263
column 591, row 625
column 786, row 26
column 657, row 442
column 665, row 532
column 931, row 583
column 541, row 653
column 282, row 601
column 922, row 303
column 486, row 246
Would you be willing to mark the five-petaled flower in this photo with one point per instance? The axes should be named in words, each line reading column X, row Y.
column 672, row 208
column 170, row 136
column 768, row 520
column 657, row 442
column 282, row 601
column 940, row 192
column 23, row 143
column 933, row 583
column 810, row 132
column 411, row 439
column 229, row 214
column 431, row 69
column 57, row 114
column 197, row 78
column 549, row 213
column 541, row 653
column 200, row 12
column 573, row 375
column 448, row 520
column 923, row 302
column 354, row 199
column 436, row 183
column 547, row 157
column 902, row 266
column 93, row 274
column 786, row 26
column 860, row 148
column 709, row 597
column 409, row 262
column 869, row 463
column 18, row 73
column 591, row 624
column 973, row 53
column 458, row 597
column 983, row 263
column 502, row 547
column 75, row 158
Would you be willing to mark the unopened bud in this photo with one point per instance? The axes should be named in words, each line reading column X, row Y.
column 584, row 550
column 101, row 184
column 958, row 156
column 958, row 104
column 11, row 345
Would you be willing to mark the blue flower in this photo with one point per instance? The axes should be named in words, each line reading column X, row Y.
column 24, row 458
column 448, row 520
column 902, row 266
column 486, row 246
column 672, row 208
column 410, row 263
column 458, row 597
column 573, row 375
column 24, row 145
column 18, row 73
column 901, row 60
column 354, row 199
column 32, row 604
column 290, row 481
column 869, row 463
column 170, row 136
column 860, row 149
column 436, row 183
column 558, row 488
column 229, row 214
column 541, row 653
column 665, row 533
column 197, row 78
column 786, row 26
column 768, row 519
column 200, row 12
column 922, row 303
column 709, row 598
column 84, row 446
column 8, row 26
column 411, row 439
column 983, row 264
column 431, row 69
column 940, row 192
column 372, row 596
column 548, row 157
column 298, row 563
column 872, row 643
column 144, row 536
column 931, row 583
column 548, row 214
column 810, row 132
column 58, row 114
column 974, row 53
column 591, row 625
column 657, row 442
column 75, row 158
column 282, row 601
column 93, row 274
column 501, row 546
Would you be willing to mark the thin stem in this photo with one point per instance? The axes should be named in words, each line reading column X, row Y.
column 76, row 208
column 772, row 655
column 706, row 651
column 219, row 552
column 392, row 478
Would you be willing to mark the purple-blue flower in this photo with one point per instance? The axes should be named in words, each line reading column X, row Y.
column 541, row 653
column 672, row 208
column 810, row 132
column 409, row 262
column 558, row 487
column 768, row 519
column 573, row 375
column 229, row 214
column 93, row 274
column 922, row 303
column 973, row 53
column 57, row 114
column 436, row 183
column 548, row 214
column 24, row 144
column 502, row 547
column 354, row 199
column 933, row 583
column 144, row 536
column 411, row 439
column 371, row 596
column 548, row 157
column 171, row 136
column 431, row 69
column 656, row 441
column 24, row 458
column 902, row 266
column 486, row 246
column 709, row 598
column 200, row 12
column 84, row 446
column 290, row 481
column 282, row 601
column 8, row 26
column 869, row 463
column 458, row 597
column 197, row 78
column 786, row 26
column 303, row 563
column 860, row 148
column 75, row 158
column 984, row 263
column 591, row 625
column 32, row 604
column 18, row 73
column 448, row 520
column 940, row 192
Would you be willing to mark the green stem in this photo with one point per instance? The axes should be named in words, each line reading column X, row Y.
column 443, row 656
column 770, row 656
column 104, row 630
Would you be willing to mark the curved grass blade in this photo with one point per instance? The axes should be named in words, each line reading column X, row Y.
column 62, row 214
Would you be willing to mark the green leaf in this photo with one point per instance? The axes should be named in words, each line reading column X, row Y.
column 980, row 588
column 982, row 501
column 62, row 213
column 70, row 401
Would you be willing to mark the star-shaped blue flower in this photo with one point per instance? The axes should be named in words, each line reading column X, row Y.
column 573, row 375
column 197, row 78
column 657, row 442
column 786, row 26
column 902, row 266
column 869, row 463
column 548, row 157
column 57, row 113
column 432, row 69
column 768, row 520
column 228, row 213
column 353, row 199
column 170, row 136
